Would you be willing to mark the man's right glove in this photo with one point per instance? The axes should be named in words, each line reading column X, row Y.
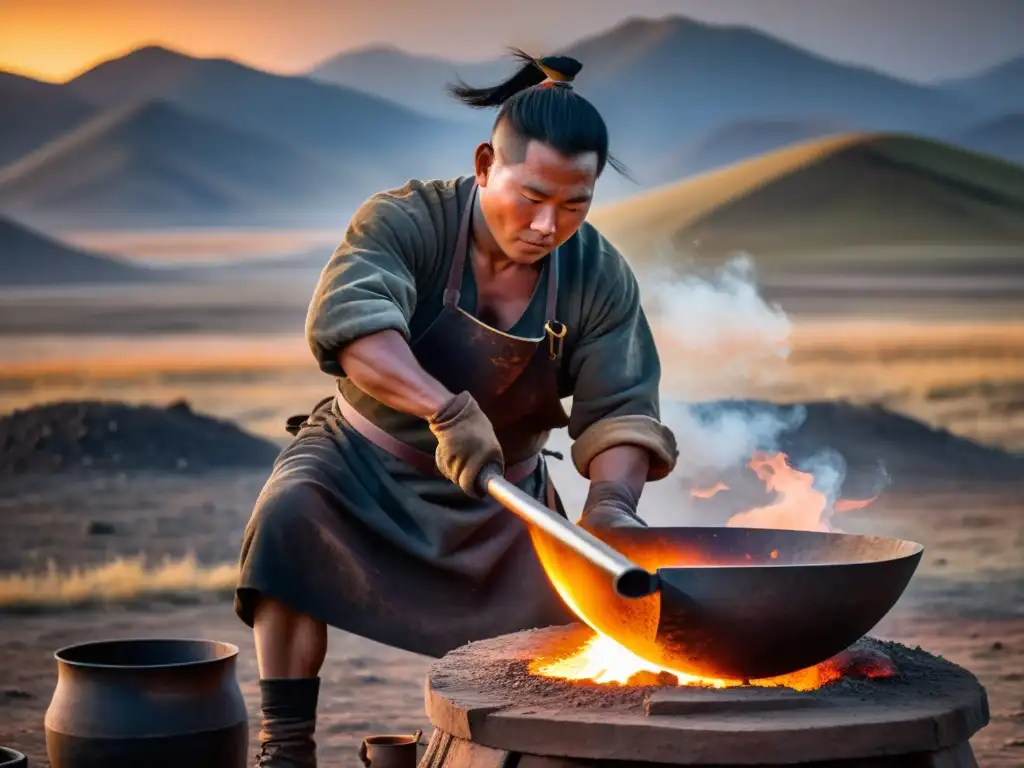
column 610, row 506
column 466, row 442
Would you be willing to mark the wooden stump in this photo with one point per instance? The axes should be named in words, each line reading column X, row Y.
column 447, row 751
column 489, row 711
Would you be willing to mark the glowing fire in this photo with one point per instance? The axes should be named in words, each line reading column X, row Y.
column 602, row 660
column 799, row 506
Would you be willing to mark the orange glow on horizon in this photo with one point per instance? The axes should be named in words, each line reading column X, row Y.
column 57, row 40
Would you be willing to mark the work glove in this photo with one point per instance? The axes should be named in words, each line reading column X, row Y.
column 466, row 442
column 610, row 506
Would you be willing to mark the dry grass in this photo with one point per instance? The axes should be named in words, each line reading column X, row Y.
column 119, row 580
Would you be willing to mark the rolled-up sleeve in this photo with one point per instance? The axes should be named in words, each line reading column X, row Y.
column 615, row 372
column 369, row 284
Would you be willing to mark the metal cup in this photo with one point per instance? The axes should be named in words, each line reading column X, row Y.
column 390, row 750
column 10, row 758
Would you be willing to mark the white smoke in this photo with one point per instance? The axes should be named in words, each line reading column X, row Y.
column 717, row 326
column 717, row 337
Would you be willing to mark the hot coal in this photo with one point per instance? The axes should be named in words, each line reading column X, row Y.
column 76, row 437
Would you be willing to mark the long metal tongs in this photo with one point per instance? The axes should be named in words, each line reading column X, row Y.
column 628, row 578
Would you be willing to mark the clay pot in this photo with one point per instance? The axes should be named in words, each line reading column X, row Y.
column 390, row 750
column 157, row 703
column 10, row 758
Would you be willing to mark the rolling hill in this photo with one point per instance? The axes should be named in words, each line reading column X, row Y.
column 30, row 258
column 347, row 125
column 825, row 196
column 154, row 163
column 1001, row 137
column 737, row 141
column 34, row 113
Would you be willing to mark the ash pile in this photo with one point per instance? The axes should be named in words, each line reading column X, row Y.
column 84, row 437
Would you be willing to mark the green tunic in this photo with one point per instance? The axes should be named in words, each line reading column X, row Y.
column 390, row 273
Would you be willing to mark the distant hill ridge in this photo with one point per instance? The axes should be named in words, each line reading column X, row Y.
column 999, row 88
column 34, row 113
column 30, row 258
column 1001, row 136
column 155, row 159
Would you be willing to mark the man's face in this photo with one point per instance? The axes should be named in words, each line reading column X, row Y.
column 532, row 197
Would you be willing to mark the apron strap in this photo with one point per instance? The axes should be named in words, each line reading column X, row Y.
column 551, row 305
column 454, row 287
column 554, row 330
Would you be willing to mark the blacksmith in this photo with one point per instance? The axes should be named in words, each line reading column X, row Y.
column 455, row 315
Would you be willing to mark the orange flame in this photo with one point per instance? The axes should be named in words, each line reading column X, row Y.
column 799, row 507
column 707, row 493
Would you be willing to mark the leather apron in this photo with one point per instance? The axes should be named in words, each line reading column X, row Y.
column 378, row 543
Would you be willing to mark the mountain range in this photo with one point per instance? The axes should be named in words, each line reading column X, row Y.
column 996, row 89
column 146, row 162
column 34, row 113
column 158, row 137
column 342, row 123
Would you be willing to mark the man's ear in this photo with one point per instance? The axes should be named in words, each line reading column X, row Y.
column 483, row 162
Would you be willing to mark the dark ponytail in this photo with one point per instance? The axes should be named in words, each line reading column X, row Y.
column 529, row 74
column 556, row 115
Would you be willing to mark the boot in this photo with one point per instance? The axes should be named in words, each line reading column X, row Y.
column 289, row 721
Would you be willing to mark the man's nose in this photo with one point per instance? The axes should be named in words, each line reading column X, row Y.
column 545, row 220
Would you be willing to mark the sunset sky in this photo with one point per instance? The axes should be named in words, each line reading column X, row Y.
column 917, row 39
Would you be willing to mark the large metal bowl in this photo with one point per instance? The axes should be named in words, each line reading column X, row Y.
column 737, row 603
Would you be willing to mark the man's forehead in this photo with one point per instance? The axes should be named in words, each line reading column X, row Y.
column 544, row 171
column 515, row 149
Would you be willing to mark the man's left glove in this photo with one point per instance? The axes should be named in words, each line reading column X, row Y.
column 610, row 505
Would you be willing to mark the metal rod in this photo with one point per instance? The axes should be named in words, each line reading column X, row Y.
column 628, row 578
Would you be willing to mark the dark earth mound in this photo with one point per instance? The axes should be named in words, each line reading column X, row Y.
column 873, row 447
column 96, row 436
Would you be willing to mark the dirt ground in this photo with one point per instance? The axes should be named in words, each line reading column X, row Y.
column 240, row 355
column 965, row 603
